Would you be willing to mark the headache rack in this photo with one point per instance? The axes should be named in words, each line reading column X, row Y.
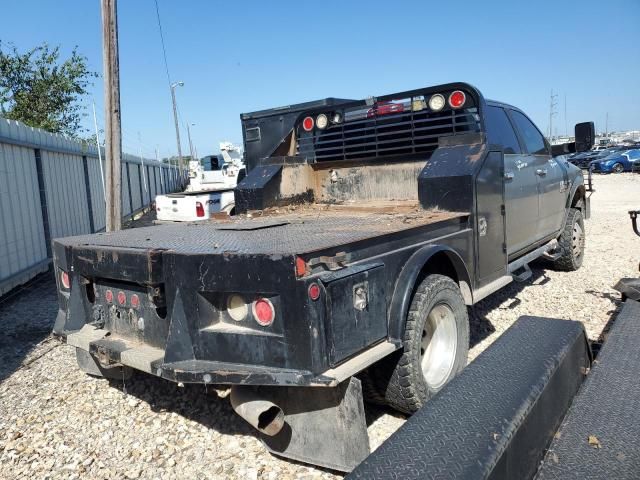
column 365, row 133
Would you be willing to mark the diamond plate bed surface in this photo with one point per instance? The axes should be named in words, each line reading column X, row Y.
column 470, row 429
column 607, row 409
column 283, row 234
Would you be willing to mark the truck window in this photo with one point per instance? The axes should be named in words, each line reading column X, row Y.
column 533, row 139
column 500, row 131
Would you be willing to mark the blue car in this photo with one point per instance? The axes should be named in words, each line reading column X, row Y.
column 624, row 161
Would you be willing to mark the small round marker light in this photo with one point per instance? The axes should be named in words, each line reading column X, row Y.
column 65, row 280
column 457, row 99
column 436, row 102
column 314, row 291
column 322, row 121
column 307, row 124
column 122, row 298
column 336, row 118
column 135, row 301
column 263, row 312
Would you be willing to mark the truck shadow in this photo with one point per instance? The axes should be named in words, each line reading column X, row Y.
column 27, row 314
column 505, row 299
column 195, row 402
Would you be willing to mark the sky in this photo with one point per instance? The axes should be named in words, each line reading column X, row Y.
column 243, row 56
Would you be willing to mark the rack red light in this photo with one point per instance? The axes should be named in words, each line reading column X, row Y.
column 122, row 298
column 457, row 99
column 307, row 124
column 108, row 296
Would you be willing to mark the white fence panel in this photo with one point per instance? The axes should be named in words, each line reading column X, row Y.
column 50, row 186
column 23, row 249
column 66, row 194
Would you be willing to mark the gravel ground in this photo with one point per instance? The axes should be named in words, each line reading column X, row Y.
column 56, row 422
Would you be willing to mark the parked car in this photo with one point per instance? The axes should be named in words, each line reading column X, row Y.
column 584, row 159
column 617, row 162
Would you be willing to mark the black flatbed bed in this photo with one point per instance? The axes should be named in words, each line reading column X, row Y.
column 298, row 230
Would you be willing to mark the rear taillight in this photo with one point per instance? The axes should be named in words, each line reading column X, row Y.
column 457, row 99
column 199, row 209
column 108, row 296
column 122, row 298
column 263, row 312
column 65, row 281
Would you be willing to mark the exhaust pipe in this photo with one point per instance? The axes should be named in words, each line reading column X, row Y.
column 263, row 415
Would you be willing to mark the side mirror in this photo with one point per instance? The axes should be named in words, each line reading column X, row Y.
column 585, row 136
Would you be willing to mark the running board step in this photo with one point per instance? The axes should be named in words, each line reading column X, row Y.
column 531, row 256
column 523, row 274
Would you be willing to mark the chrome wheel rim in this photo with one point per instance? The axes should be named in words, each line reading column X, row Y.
column 439, row 345
column 577, row 243
column 618, row 168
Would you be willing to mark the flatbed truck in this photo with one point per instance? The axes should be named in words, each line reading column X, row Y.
column 364, row 230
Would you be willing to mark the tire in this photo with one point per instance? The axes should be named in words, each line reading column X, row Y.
column 571, row 243
column 410, row 377
column 90, row 366
column 617, row 168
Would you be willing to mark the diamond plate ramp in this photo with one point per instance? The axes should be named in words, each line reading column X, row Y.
column 607, row 409
column 496, row 418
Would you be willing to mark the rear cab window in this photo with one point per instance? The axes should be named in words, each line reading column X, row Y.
column 533, row 140
column 500, row 131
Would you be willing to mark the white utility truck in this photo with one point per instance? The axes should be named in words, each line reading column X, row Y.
column 209, row 192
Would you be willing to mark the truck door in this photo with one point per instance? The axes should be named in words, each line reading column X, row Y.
column 520, row 183
column 549, row 176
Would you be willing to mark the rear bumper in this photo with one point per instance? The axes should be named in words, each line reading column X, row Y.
column 112, row 350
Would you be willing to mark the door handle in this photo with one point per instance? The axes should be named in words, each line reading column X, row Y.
column 509, row 175
column 541, row 172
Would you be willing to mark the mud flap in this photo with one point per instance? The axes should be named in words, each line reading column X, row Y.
column 323, row 426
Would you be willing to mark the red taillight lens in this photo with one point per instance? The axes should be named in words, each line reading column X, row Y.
column 457, row 99
column 307, row 124
column 263, row 312
column 122, row 298
column 135, row 301
column 314, row 291
column 108, row 296
column 199, row 209
column 65, row 281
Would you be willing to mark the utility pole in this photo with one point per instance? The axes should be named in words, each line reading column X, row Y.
column 175, row 118
column 113, row 134
column 606, row 126
column 552, row 112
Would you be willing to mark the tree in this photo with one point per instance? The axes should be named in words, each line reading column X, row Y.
column 40, row 90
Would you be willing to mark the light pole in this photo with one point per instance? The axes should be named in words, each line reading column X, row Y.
column 190, row 144
column 175, row 118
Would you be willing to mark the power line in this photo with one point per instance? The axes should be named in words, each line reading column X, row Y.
column 164, row 51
